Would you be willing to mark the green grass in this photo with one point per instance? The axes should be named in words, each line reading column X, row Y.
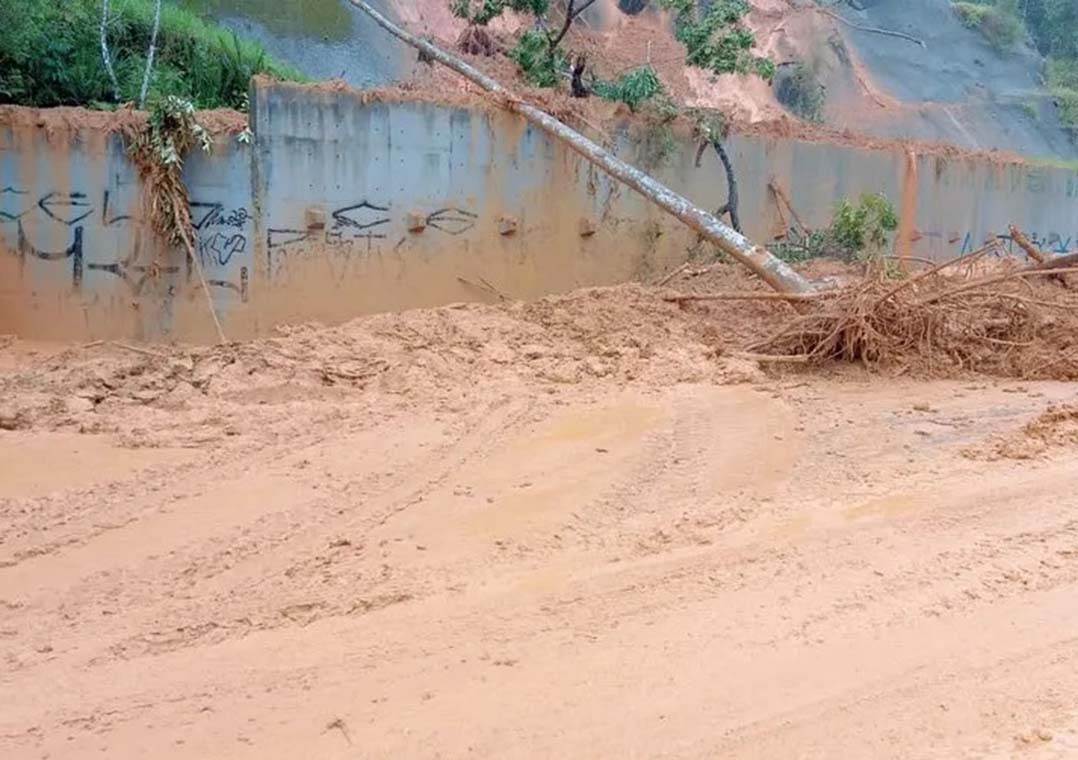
column 1055, row 163
column 50, row 55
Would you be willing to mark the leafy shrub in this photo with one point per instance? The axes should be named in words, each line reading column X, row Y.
column 858, row 231
column 862, row 230
column 717, row 39
column 537, row 60
column 632, row 88
column 998, row 21
column 50, row 55
column 970, row 14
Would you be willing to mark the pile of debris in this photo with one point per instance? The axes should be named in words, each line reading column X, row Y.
column 976, row 313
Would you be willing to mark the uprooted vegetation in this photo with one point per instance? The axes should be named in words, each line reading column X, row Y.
column 1015, row 321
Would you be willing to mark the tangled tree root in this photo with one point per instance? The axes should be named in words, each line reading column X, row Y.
column 1014, row 322
column 475, row 40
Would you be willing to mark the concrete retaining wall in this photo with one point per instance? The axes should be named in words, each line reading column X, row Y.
column 342, row 206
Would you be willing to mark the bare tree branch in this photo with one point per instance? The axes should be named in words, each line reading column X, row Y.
column 570, row 16
column 872, row 29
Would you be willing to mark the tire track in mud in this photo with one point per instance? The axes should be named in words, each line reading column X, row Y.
column 768, row 595
column 285, row 567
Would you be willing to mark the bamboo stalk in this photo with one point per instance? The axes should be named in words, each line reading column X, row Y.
column 151, row 54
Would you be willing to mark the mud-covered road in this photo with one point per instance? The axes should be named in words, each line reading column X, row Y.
column 389, row 540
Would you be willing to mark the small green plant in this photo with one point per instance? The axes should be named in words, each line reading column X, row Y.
column 174, row 130
column 632, row 88
column 858, row 231
column 800, row 90
column 862, row 230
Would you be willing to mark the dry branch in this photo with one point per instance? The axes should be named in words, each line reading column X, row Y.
column 748, row 296
column 872, row 29
column 773, row 271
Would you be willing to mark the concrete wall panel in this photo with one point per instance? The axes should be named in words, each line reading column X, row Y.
column 344, row 205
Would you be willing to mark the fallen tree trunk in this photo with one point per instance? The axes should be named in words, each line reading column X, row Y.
column 770, row 269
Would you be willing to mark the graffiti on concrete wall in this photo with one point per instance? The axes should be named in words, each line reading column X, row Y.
column 221, row 238
column 1057, row 243
column 362, row 227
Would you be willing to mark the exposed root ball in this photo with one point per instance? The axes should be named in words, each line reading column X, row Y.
column 1014, row 324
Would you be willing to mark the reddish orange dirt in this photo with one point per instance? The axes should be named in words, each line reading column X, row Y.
column 575, row 528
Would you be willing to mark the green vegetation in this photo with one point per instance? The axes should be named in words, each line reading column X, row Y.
column 863, row 230
column 50, row 55
column 482, row 12
column 717, row 39
column 1063, row 85
column 538, row 60
column 997, row 20
column 633, row 88
column 1053, row 27
column 859, row 231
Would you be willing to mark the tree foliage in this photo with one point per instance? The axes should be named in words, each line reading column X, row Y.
column 538, row 59
column 863, row 229
column 1052, row 26
column 482, row 12
column 633, row 88
column 717, row 39
column 998, row 21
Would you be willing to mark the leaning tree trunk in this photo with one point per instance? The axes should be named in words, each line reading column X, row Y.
column 771, row 270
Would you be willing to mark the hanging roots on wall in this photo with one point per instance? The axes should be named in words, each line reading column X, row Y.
column 157, row 151
column 1007, row 319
